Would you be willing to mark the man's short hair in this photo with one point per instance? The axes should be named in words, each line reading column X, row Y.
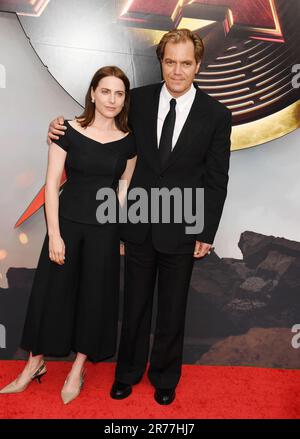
column 178, row 36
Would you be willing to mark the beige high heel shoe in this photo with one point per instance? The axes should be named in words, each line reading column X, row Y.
column 69, row 396
column 13, row 387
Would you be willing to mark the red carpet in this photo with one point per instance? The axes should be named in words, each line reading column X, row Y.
column 204, row 392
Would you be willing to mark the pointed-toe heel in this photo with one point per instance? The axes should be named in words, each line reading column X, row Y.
column 14, row 387
column 67, row 397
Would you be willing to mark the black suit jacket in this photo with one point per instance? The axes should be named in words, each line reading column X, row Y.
column 199, row 159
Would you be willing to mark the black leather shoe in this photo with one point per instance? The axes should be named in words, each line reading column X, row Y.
column 164, row 396
column 120, row 390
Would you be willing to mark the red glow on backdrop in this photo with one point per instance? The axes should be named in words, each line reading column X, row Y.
column 253, row 13
column 36, row 203
column 259, row 15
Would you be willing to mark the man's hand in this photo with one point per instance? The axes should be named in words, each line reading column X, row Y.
column 56, row 128
column 201, row 249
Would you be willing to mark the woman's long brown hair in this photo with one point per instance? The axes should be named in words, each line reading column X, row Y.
column 88, row 115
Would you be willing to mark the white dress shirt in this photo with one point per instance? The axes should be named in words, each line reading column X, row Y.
column 183, row 106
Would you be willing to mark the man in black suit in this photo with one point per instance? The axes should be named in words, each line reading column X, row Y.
column 183, row 141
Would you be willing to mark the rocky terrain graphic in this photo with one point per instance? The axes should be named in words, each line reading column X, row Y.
column 240, row 311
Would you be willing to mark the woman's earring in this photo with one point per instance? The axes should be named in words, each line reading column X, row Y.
column 93, row 100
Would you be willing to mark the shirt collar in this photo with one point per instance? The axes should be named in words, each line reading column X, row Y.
column 182, row 102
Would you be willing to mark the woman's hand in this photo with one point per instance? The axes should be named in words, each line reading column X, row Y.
column 122, row 249
column 57, row 249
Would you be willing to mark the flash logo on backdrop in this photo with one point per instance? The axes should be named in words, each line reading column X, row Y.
column 256, row 17
column 249, row 63
column 251, row 47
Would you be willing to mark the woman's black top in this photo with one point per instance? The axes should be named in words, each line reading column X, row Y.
column 90, row 165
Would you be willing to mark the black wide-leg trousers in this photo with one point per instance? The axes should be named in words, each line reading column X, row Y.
column 142, row 265
column 74, row 306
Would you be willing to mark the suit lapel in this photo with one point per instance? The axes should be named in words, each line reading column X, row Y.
column 152, row 125
column 191, row 127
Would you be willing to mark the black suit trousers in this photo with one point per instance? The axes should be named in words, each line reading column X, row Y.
column 143, row 264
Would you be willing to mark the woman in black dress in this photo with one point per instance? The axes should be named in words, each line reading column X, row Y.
column 74, row 299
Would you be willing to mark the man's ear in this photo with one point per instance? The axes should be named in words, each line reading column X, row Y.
column 198, row 67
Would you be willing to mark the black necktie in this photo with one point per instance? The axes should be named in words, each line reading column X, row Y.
column 165, row 143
